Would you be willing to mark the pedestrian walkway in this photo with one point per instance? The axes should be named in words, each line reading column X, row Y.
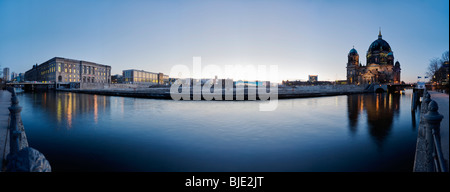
column 442, row 101
column 5, row 102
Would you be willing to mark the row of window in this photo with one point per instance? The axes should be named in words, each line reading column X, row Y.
column 47, row 69
column 76, row 78
column 71, row 68
column 140, row 76
column 141, row 80
column 90, row 70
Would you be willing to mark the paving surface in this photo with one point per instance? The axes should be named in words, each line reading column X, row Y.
column 5, row 102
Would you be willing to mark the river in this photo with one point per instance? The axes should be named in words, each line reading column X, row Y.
column 85, row 132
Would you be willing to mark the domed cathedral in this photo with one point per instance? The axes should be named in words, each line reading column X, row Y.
column 379, row 68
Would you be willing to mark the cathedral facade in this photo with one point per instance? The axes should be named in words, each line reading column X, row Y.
column 379, row 68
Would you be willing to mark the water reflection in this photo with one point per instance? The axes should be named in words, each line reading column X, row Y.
column 355, row 105
column 66, row 106
column 133, row 134
column 379, row 109
column 95, row 110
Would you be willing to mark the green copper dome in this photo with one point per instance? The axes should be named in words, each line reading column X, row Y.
column 379, row 45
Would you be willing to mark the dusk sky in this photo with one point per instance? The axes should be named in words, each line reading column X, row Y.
column 301, row 37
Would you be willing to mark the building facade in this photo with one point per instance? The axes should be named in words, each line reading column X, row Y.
column 133, row 76
column 313, row 78
column 63, row 70
column 6, row 74
column 14, row 76
column 379, row 68
column 116, row 78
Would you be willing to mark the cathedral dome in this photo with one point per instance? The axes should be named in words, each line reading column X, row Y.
column 353, row 51
column 379, row 45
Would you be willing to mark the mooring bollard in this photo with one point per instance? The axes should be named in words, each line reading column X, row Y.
column 426, row 101
column 433, row 120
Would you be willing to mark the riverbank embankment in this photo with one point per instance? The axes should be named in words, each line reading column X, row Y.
column 285, row 92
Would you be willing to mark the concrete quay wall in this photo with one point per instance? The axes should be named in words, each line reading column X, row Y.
column 118, row 86
column 321, row 90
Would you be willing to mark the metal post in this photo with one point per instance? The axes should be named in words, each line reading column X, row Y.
column 413, row 101
column 433, row 120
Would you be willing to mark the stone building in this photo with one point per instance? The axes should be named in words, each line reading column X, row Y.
column 63, row 71
column 379, row 68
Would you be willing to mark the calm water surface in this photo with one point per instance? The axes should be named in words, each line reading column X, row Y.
column 83, row 132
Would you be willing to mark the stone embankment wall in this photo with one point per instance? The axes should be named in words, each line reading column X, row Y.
column 118, row 86
column 321, row 90
column 133, row 90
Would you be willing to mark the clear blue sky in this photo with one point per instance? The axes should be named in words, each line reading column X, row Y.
column 301, row 37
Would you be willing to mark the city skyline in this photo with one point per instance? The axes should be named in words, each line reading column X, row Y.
column 301, row 37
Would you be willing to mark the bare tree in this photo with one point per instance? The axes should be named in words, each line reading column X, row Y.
column 433, row 67
column 444, row 57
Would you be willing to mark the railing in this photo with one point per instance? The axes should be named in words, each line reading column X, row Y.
column 438, row 157
column 21, row 157
column 432, row 119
